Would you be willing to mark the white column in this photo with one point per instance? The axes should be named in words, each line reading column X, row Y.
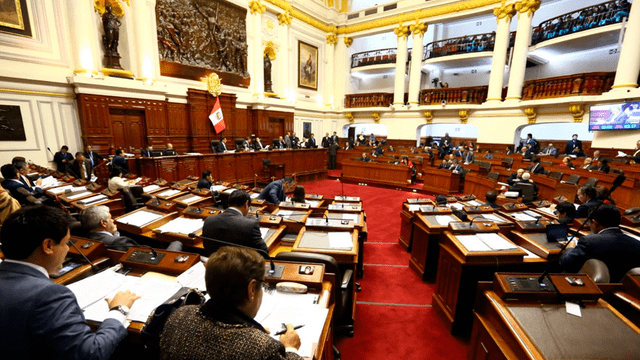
column 629, row 63
column 329, row 76
column 401, row 63
column 501, row 45
column 415, row 75
column 256, row 61
column 83, row 35
column 520, row 50
column 282, row 60
column 342, row 61
column 144, row 37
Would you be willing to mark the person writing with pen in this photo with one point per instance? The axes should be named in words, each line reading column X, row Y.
column 224, row 328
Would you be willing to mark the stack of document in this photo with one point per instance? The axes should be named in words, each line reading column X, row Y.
column 140, row 218
column 340, row 240
column 92, row 200
column 150, row 188
column 79, row 195
column 445, row 219
column 485, row 242
column 182, row 226
column 523, row 217
column 170, row 192
column 191, row 199
column 492, row 217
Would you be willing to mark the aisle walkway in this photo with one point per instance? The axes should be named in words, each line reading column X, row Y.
column 394, row 317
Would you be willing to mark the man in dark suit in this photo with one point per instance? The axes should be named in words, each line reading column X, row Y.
column 311, row 143
column 62, row 158
column 280, row 143
column 455, row 167
column 206, row 180
column 19, row 190
column 365, row 157
column 295, row 141
column 222, row 146
column 532, row 143
column 468, row 157
column 169, row 151
column 275, row 192
column 588, row 196
column 92, row 156
column 147, row 151
column 257, row 144
column 326, row 141
column 620, row 252
column 120, row 161
column 459, row 152
column 23, row 170
column 515, row 177
column 100, row 226
column 574, row 146
column 38, row 318
column 233, row 226
column 287, row 140
column 333, row 154
column 81, row 168
column 348, row 145
column 536, row 168
column 246, row 146
column 335, row 137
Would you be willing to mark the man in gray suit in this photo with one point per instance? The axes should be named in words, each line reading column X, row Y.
column 233, row 226
column 98, row 222
column 38, row 318
column 287, row 140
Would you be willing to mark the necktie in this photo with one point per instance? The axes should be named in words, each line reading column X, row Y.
column 82, row 172
column 91, row 158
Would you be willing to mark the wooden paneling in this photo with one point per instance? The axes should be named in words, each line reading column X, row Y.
column 373, row 172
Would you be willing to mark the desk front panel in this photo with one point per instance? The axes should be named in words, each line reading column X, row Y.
column 382, row 173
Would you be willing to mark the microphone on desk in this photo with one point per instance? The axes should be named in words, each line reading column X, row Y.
column 73, row 243
column 153, row 252
column 50, row 152
column 473, row 218
column 326, row 217
column 272, row 266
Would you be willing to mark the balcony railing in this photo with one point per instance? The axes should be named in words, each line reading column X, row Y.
column 461, row 45
column 582, row 19
column 594, row 83
column 368, row 100
column 467, row 95
column 374, row 57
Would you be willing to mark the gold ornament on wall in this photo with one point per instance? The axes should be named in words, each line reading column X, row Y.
column 577, row 111
column 527, row 6
column 349, row 117
column 255, row 6
column 332, row 39
column 464, row 116
column 504, row 11
column 270, row 49
column 285, row 18
column 348, row 41
column 418, row 28
column 116, row 7
column 532, row 115
column 376, row 117
column 428, row 116
column 214, row 85
column 402, row 31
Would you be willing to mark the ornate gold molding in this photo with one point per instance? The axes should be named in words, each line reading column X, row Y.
column 255, row 6
column 270, row 49
column 532, row 115
column 332, row 39
column 117, row 72
column 504, row 11
column 214, row 85
column 29, row 92
column 418, row 28
column 402, row 31
column 376, row 117
column 349, row 117
column 527, row 6
column 577, row 111
column 464, row 116
column 428, row 116
column 285, row 18
column 348, row 41
column 116, row 8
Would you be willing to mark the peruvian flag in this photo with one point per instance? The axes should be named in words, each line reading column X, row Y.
column 217, row 120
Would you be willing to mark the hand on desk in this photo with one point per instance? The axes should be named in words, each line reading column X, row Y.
column 290, row 339
column 126, row 298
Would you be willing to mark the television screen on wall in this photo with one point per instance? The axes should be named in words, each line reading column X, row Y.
column 621, row 116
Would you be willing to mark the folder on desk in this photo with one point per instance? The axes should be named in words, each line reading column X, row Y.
column 485, row 242
column 337, row 240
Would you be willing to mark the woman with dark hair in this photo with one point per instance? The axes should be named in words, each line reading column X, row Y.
column 298, row 194
column 224, row 328
column 116, row 182
column 566, row 212
column 405, row 160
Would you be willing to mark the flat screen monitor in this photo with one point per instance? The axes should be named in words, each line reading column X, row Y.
column 620, row 116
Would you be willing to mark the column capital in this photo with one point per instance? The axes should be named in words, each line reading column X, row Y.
column 348, row 41
column 527, row 6
column 532, row 114
column 504, row 11
column 418, row 29
column 577, row 111
column 285, row 18
column 332, row 39
column 402, row 31
column 256, row 7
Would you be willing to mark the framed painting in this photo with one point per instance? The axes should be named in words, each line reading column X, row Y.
column 14, row 17
column 307, row 66
column 11, row 126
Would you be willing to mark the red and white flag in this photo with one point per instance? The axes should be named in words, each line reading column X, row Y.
column 217, row 120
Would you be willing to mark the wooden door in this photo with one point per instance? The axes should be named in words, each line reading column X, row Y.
column 128, row 129
column 276, row 128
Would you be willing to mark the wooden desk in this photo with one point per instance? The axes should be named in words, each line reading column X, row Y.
column 536, row 243
column 440, row 181
column 475, row 183
column 376, row 173
column 425, row 248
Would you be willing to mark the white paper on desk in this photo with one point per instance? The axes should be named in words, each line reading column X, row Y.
column 228, row 191
column 495, row 241
column 341, row 240
column 312, row 203
column 472, row 243
column 140, row 218
column 271, row 299
column 254, row 195
column 191, row 199
column 311, row 316
column 529, row 255
column 182, row 226
column 150, row 188
column 354, row 217
column 263, row 232
column 284, row 213
column 93, row 199
column 217, row 188
column 50, row 181
column 445, row 219
column 474, row 203
column 194, row 277
column 96, row 287
column 547, row 210
column 81, row 194
column 621, row 154
column 494, row 218
column 511, row 194
column 573, row 309
column 414, row 207
column 522, row 217
column 532, row 213
column 169, row 192
column 456, row 206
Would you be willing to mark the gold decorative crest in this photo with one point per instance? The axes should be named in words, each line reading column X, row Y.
column 504, row 11
column 332, row 39
column 285, row 18
column 116, row 8
column 532, row 115
column 214, row 85
column 527, row 6
column 348, row 41
column 401, row 31
column 376, row 117
column 418, row 28
column 464, row 116
column 349, row 117
column 428, row 116
column 255, row 6
column 577, row 111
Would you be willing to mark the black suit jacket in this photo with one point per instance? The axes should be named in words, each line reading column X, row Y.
column 204, row 184
column 74, row 169
column 231, row 226
column 58, row 159
column 311, row 143
column 145, row 153
column 333, row 149
column 537, row 169
column 326, row 141
column 571, row 145
column 20, row 191
column 222, row 147
column 257, row 146
column 94, row 157
column 120, row 162
column 618, row 251
column 583, row 210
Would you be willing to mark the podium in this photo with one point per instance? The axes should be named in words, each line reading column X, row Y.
column 440, row 181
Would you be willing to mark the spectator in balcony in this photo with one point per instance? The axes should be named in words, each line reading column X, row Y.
column 574, row 146
column 487, row 155
column 586, row 164
column 604, row 166
column 365, row 157
column 549, row 150
column 459, row 152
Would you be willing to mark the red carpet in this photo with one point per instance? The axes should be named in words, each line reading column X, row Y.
column 394, row 317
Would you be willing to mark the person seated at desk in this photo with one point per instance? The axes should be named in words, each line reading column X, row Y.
column 97, row 221
column 120, row 162
column 536, row 168
column 596, row 157
column 275, row 192
column 92, row 156
column 38, row 318
column 526, row 152
column 586, row 164
column 80, row 168
column 246, row 144
column 526, row 179
column 224, row 326
column 549, row 150
column 116, row 182
column 574, row 146
column 459, row 152
column 620, row 252
column 491, row 196
column 298, row 194
column 487, row 155
column 257, row 144
column 455, row 167
column 508, row 150
column 23, row 169
column 222, row 146
column 515, row 177
column 378, row 151
column 603, row 166
column 303, row 143
column 349, row 144
column 233, row 226
column 566, row 212
column 396, row 160
column 588, row 196
column 445, row 164
column 468, row 157
column 566, row 161
column 62, row 158
column 206, row 181
column 169, row 150
column 19, row 190
column 147, row 152
column 364, row 157
column 280, row 144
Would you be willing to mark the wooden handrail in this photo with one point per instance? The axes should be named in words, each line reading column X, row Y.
column 466, row 95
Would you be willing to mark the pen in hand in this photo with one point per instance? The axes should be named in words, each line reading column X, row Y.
column 285, row 330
